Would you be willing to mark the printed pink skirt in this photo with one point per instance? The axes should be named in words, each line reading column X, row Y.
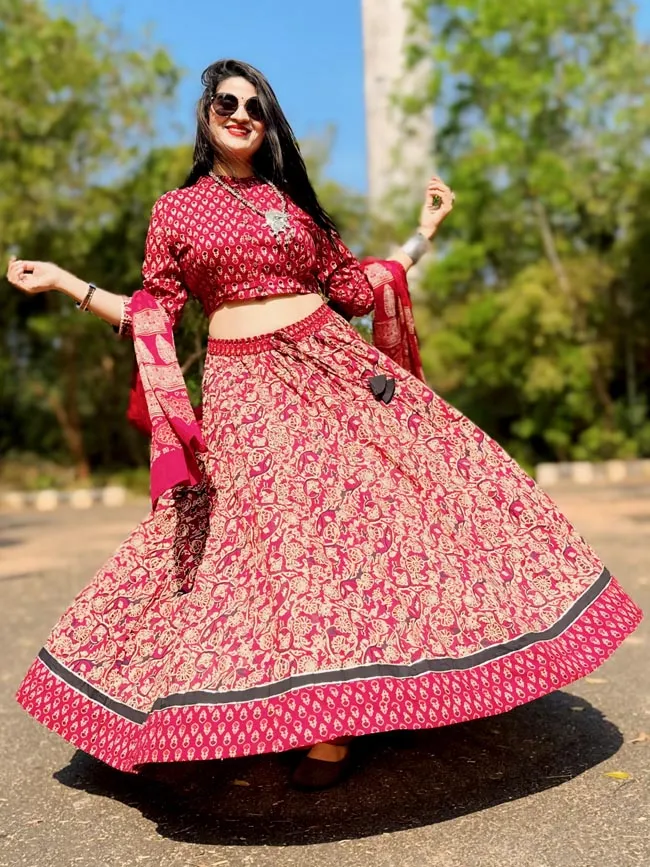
column 351, row 564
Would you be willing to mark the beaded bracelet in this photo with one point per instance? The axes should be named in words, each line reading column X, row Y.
column 85, row 304
column 126, row 323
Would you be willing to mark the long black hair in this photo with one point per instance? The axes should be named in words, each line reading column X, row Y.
column 278, row 159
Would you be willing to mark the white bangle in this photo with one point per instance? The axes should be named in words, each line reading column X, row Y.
column 416, row 246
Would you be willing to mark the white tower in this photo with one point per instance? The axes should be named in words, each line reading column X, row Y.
column 400, row 150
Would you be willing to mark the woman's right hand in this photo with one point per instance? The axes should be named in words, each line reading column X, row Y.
column 34, row 277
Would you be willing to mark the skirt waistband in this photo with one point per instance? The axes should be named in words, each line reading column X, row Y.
column 263, row 342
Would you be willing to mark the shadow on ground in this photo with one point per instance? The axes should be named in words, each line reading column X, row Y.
column 401, row 780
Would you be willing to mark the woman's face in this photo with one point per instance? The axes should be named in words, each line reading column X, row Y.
column 238, row 133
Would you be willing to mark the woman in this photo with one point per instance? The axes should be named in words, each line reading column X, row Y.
column 337, row 551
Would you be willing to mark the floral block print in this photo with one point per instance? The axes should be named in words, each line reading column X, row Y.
column 346, row 566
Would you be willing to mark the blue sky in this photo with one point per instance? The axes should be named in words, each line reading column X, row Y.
column 311, row 51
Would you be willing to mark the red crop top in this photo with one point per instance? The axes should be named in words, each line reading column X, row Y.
column 202, row 240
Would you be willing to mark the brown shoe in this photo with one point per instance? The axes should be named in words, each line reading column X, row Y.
column 314, row 774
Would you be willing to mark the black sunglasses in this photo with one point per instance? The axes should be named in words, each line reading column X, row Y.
column 226, row 104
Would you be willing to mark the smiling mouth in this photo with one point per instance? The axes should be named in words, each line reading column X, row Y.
column 238, row 131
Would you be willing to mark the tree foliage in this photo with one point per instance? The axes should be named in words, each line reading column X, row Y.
column 541, row 290
column 76, row 105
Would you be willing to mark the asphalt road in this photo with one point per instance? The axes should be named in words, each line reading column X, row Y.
column 526, row 789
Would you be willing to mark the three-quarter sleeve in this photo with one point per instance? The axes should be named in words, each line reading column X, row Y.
column 161, row 270
column 342, row 277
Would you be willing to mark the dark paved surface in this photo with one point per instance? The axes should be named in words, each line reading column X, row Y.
column 527, row 789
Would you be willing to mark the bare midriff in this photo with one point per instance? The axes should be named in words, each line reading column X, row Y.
column 261, row 315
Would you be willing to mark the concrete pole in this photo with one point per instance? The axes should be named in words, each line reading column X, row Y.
column 399, row 149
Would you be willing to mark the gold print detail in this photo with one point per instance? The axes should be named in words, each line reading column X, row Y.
column 165, row 350
column 389, row 300
column 377, row 274
column 142, row 352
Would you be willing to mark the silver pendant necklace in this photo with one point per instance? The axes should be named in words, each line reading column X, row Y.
column 276, row 220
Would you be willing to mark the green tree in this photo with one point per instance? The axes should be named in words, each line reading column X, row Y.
column 543, row 118
column 77, row 103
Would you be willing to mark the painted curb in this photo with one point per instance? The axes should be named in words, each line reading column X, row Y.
column 48, row 500
column 546, row 475
column 587, row 473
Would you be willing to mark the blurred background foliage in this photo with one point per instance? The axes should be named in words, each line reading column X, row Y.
column 538, row 307
column 533, row 316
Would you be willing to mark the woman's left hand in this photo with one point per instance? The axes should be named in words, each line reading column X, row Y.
column 438, row 203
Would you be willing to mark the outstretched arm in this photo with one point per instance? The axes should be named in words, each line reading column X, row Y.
column 438, row 204
column 161, row 278
column 36, row 277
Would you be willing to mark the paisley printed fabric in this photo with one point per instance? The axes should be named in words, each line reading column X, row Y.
column 202, row 240
column 159, row 405
column 175, row 434
column 393, row 326
column 346, row 566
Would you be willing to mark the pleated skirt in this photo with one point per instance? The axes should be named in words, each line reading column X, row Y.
column 349, row 565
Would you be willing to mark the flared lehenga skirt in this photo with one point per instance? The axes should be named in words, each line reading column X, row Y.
column 349, row 566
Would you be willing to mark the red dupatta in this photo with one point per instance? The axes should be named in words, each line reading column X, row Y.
column 159, row 405
column 162, row 399
column 393, row 326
